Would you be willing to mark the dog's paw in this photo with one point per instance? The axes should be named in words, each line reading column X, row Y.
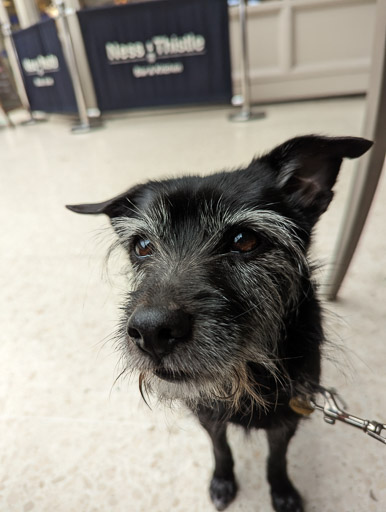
column 289, row 501
column 222, row 492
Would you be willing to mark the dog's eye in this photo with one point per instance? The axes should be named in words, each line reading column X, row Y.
column 143, row 248
column 245, row 241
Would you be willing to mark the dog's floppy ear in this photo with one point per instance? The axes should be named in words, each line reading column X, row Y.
column 125, row 204
column 307, row 167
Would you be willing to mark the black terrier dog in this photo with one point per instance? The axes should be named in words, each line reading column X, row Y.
column 222, row 313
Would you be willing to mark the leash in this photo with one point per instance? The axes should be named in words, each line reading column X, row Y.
column 333, row 410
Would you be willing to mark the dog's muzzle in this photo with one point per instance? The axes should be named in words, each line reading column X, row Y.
column 156, row 331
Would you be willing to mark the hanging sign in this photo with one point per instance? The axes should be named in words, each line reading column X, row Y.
column 161, row 52
column 46, row 77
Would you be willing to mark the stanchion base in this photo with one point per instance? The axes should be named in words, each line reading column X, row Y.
column 80, row 127
column 246, row 115
column 39, row 116
column 35, row 117
column 29, row 122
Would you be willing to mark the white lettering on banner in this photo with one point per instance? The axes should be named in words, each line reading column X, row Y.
column 158, row 47
column 174, row 45
column 41, row 64
column 125, row 51
column 45, row 81
column 167, row 68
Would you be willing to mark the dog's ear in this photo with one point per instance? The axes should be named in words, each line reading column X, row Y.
column 307, row 167
column 123, row 205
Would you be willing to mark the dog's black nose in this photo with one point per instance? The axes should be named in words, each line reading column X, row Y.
column 157, row 330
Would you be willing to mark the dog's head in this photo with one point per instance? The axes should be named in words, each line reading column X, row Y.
column 219, row 267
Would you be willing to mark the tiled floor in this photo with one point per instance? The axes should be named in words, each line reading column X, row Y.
column 69, row 441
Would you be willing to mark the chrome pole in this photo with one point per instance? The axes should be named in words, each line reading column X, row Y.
column 27, row 12
column 369, row 167
column 245, row 114
column 68, row 48
column 13, row 58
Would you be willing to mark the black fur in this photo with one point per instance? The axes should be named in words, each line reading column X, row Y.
column 234, row 333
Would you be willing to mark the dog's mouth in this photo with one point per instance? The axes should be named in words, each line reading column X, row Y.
column 171, row 376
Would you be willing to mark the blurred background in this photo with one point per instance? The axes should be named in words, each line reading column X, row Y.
column 96, row 96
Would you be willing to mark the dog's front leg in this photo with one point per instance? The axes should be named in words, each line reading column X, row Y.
column 223, row 487
column 285, row 498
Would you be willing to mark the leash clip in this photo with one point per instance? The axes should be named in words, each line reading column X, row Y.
column 333, row 411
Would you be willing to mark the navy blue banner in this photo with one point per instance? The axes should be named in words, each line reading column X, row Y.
column 46, row 77
column 164, row 52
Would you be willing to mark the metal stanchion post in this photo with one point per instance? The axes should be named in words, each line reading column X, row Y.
column 14, row 61
column 4, row 114
column 27, row 12
column 246, row 113
column 84, row 124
